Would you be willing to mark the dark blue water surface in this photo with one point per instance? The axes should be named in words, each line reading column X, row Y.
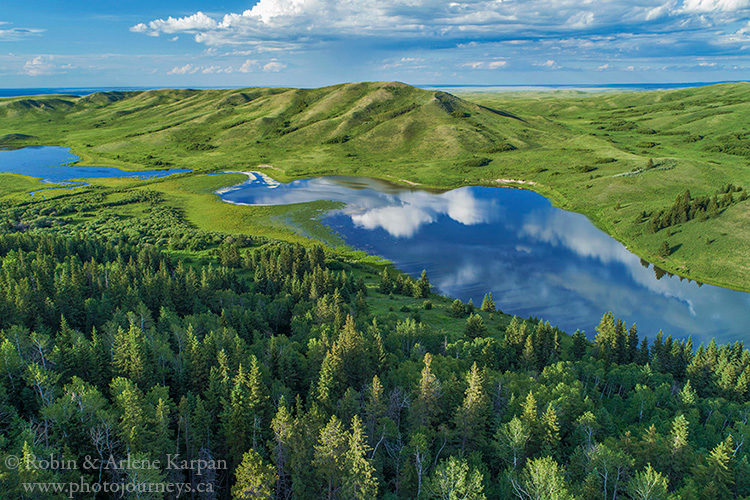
column 536, row 259
column 52, row 164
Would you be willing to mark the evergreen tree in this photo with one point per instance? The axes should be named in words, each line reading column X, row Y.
column 716, row 473
column 488, row 303
column 422, row 286
column 360, row 481
column 550, row 430
column 330, row 458
column 580, row 344
column 254, row 479
column 471, row 416
column 426, row 407
column 475, row 326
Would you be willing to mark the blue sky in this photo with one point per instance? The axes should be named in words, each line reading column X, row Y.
column 47, row 43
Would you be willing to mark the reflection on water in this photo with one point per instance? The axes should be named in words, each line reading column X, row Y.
column 52, row 164
column 536, row 259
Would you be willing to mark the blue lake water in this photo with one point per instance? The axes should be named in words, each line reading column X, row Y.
column 536, row 259
column 52, row 164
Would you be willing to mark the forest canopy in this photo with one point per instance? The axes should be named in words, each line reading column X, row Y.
column 298, row 374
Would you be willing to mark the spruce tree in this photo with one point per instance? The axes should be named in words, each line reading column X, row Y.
column 360, row 481
column 330, row 458
column 488, row 303
column 471, row 416
column 254, row 479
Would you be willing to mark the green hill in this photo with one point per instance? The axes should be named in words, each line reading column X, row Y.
column 390, row 122
column 621, row 158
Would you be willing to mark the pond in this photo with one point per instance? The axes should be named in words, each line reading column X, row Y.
column 52, row 164
column 536, row 259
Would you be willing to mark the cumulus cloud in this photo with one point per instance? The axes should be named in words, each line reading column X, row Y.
column 42, row 65
column 306, row 20
column 248, row 66
column 189, row 24
column 273, row 67
column 533, row 34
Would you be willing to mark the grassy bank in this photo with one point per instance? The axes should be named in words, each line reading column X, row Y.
column 609, row 156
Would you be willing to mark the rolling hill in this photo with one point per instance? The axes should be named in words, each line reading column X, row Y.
column 612, row 156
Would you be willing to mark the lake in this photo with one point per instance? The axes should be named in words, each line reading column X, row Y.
column 53, row 164
column 536, row 259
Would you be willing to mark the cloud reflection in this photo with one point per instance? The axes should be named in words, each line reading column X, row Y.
column 370, row 203
column 535, row 258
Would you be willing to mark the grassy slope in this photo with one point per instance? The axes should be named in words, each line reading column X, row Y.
column 397, row 132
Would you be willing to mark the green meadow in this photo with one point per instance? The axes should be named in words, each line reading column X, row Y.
column 613, row 156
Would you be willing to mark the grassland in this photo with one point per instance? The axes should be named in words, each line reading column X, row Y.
column 588, row 153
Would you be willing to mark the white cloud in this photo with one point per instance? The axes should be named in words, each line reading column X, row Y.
column 16, row 34
column 248, row 66
column 273, row 67
column 705, row 6
column 549, row 63
column 581, row 19
column 494, row 64
column 306, row 21
column 189, row 24
column 487, row 33
column 41, row 65
column 405, row 62
column 187, row 69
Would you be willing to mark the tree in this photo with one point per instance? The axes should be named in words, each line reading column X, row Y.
column 422, row 286
column 611, row 466
column 550, row 430
column 687, row 395
column 648, row 484
column 254, row 479
column 512, row 438
column 471, row 416
column 282, row 426
column 541, row 479
column 679, row 435
column 475, row 326
column 128, row 353
column 665, row 249
column 488, row 303
column 330, row 457
column 375, row 407
column 453, row 479
column 588, row 424
column 386, row 283
column 528, row 411
column 360, row 481
column 580, row 344
column 716, row 473
column 428, row 394
column 457, row 309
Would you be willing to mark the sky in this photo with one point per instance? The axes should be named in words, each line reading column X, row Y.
column 308, row 43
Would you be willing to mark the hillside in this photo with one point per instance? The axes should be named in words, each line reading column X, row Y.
column 621, row 158
column 357, row 123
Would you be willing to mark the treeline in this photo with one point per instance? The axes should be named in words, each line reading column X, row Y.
column 686, row 208
column 277, row 362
